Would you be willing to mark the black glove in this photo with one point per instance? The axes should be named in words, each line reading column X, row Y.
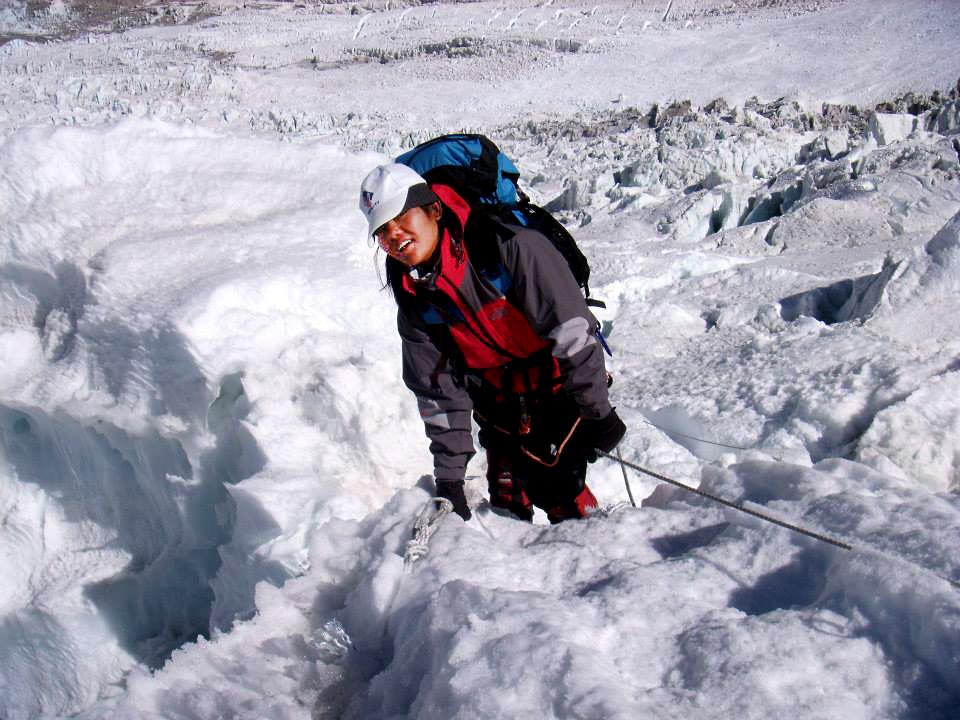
column 603, row 434
column 453, row 491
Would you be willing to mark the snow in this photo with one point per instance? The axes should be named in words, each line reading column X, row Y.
column 209, row 466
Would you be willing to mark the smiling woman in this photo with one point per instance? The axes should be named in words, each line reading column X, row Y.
column 402, row 212
column 411, row 237
column 493, row 324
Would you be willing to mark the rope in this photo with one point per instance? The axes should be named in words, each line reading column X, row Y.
column 768, row 518
column 426, row 524
column 731, row 504
column 626, row 480
column 671, row 431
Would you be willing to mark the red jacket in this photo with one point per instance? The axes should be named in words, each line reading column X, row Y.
column 467, row 320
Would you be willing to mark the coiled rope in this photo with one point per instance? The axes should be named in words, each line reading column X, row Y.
column 424, row 527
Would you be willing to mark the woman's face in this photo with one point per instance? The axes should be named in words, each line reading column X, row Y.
column 412, row 236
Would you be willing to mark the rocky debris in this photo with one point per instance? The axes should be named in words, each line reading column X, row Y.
column 783, row 113
column 886, row 128
column 844, row 116
column 690, row 173
column 938, row 112
column 469, row 47
column 836, row 143
column 916, row 103
column 723, row 8
column 944, row 119
column 57, row 20
column 831, row 145
column 570, row 199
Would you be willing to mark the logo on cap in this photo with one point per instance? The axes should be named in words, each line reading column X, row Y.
column 366, row 197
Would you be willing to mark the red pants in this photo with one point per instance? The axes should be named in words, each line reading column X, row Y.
column 518, row 483
column 523, row 469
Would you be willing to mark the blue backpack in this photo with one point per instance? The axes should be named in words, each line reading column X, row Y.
column 487, row 179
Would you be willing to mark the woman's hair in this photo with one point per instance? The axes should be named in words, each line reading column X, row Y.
column 395, row 271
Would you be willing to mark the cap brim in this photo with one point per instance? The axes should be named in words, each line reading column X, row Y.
column 417, row 196
column 420, row 195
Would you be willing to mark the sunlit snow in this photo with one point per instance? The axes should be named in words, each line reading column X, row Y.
column 210, row 468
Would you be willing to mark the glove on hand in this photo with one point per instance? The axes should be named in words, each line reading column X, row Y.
column 453, row 491
column 603, row 434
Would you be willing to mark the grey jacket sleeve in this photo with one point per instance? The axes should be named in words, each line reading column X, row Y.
column 547, row 292
column 445, row 406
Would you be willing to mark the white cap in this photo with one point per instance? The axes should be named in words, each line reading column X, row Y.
column 390, row 190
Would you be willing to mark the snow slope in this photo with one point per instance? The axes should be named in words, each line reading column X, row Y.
column 209, row 467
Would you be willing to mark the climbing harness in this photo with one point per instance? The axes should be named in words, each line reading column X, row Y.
column 426, row 524
column 765, row 516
